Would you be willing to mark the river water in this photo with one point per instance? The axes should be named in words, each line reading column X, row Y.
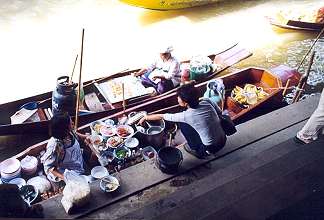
column 41, row 38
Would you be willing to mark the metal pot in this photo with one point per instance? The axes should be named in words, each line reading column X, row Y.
column 155, row 133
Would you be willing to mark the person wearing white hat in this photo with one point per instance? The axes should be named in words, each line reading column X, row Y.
column 163, row 74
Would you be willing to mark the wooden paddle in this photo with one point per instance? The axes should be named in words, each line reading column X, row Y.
column 76, row 58
column 79, row 86
column 313, row 44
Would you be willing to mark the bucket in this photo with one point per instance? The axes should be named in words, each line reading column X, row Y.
column 169, row 159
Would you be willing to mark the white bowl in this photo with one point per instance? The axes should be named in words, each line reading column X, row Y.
column 132, row 143
column 109, row 184
column 29, row 165
column 129, row 131
column 18, row 181
column 9, row 166
column 99, row 172
column 96, row 139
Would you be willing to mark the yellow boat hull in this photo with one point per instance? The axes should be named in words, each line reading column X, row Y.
column 167, row 4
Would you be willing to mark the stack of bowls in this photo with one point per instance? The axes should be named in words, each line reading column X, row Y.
column 29, row 165
column 10, row 169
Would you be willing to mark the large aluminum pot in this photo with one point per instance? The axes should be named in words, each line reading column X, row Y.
column 153, row 134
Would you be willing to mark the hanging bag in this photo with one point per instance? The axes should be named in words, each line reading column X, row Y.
column 225, row 120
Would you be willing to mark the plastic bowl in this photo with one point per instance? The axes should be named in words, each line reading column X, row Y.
column 124, row 131
column 29, row 193
column 122, row 148
column 132, row 143
column 96, row 126
column 99, row 172
column 96, row 139
column 109, row 184
column 18, row 181
column 146, row 152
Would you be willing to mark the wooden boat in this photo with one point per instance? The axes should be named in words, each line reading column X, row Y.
column 271, row 81
column 93, row 88
column 296, row 25
column 168, row 4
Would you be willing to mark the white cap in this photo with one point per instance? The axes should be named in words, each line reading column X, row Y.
column 167, row 49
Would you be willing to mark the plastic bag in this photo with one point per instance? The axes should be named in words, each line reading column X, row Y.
column 76, row 192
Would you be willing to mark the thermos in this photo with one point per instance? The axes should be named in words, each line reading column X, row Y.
column 64, row 96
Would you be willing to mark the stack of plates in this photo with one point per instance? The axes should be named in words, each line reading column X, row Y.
column 10, row 169
column 29, row 165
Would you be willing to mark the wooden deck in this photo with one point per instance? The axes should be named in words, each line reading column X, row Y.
column 260, row 172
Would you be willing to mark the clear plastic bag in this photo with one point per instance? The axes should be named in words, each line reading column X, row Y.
column 76, row 192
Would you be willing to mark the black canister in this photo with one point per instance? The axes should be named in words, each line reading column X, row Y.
column 169, row 159
column 64, row 96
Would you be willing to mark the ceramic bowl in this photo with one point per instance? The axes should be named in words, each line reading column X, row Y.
column 29, row 165
column 124, row 131
column 99, row 172
column 132, row 143
column 18, row 181
column 109, row 184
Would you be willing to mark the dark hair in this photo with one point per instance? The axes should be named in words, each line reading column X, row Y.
column 190, row 94
column 60, row 126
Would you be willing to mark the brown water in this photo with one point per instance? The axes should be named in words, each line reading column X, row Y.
column 40, row 38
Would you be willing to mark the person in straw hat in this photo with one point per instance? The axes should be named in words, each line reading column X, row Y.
column 163, row 74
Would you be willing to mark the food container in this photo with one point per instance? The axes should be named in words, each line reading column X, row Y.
column 109, row 184
column 96, row 126
column 29, row 165
column 132, row 143
column 95, row 139
column 169, row 159
column 122, row 152
column 109, row 123
column 29, row 193
column 10, row 169
column 114, row 141
column 124, row 131
column 107, row 132
column 148, row 152
column 99, row 172
column 18, row 181
column 41, row 183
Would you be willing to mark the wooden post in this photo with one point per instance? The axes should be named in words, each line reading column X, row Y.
column 76, row 58
column 124, row 104
column 304, row 78
column 79, row 87
column 286, row 87
column 318, row 36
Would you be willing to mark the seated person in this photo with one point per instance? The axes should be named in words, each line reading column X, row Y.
column 63, row 149
column 164, row 74
column 199, row 124
column 12, row 204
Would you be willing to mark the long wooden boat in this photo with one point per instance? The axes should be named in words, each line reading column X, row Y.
column 296, row 25
column 93, row 88
column 168, row 4
column 271, row 81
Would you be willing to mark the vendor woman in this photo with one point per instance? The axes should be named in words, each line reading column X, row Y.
column 63, row 149
column 199, row 123
column 164, row 74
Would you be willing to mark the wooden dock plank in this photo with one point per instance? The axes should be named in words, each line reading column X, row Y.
column 135, row 180
column 253, row 189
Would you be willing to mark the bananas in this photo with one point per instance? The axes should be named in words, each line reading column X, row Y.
column 250, row 94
